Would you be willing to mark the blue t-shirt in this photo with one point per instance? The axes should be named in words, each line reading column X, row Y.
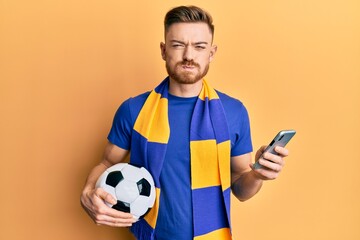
column 175, row 213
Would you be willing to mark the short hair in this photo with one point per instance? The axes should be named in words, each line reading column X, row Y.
column 188, row 14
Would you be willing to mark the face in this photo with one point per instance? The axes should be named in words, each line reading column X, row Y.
column 187, row 51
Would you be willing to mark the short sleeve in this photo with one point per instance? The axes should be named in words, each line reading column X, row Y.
column 242, row 143
column 120, row 132
column 239, row 125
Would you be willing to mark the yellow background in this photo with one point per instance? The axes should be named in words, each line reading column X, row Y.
column 65, row 66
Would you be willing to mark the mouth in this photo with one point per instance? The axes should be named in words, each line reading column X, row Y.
column 188, row 67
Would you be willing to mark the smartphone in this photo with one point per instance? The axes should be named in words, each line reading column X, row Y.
column 281, row 139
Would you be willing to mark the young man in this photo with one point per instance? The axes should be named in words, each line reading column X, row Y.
column 194, row 140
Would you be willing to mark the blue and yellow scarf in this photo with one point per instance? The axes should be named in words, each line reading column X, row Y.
column 210, row 161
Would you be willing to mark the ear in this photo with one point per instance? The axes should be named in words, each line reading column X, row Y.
column 163, row 50
column 212, row 52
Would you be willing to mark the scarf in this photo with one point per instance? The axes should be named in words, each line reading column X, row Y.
column 209, row 161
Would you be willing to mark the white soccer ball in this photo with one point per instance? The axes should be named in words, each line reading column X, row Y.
column 133, row 188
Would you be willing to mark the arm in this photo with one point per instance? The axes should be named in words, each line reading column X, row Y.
column 247, row 181
column 244, row 181
column 92, row 199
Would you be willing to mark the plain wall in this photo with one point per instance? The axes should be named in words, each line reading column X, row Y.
column 65, row 67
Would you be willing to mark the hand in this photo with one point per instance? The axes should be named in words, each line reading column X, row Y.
column 272, row 164
column 93, row 201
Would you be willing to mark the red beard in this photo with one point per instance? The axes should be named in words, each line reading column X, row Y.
column 184, row 77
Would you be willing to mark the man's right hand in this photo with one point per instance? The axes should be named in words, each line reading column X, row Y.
column 93, row 201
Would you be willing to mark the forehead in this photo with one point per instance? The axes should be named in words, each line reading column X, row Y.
column 189, row 32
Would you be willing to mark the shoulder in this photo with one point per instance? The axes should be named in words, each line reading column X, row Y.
column 134, row 104
column 130, row 108
column 124, row 120
column 230, row 103
column 137, row 100
column 235, row 111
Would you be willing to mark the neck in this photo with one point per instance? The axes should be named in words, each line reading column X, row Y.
column 185, row 90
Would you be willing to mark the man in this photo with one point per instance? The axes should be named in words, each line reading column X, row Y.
column 194, row 140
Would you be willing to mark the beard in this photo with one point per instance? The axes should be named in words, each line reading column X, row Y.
column 184, row 77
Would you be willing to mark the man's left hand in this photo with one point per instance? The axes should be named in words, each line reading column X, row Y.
column 271, row 164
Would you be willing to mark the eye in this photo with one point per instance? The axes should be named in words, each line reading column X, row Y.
column 200, row 47
column 177, row 45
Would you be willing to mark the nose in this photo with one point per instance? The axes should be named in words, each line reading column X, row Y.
column 188, row 54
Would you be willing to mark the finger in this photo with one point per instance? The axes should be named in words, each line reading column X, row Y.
column 109, row 198
column 262, row 173
column 105, row 196
column 100, row 208
column 282, row 151
column 112, row 217
column 114, row 223
column 101, row 213
column 111, row 221
column 271, row 166
column 101, row 193
column 119, row 214
column 273, row 158
column 260, row 151
column 267, row 174
column 273, row 162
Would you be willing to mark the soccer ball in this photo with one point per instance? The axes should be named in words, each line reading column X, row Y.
column 132, row 187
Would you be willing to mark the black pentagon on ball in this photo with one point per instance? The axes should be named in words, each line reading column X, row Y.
column 122, row 206
column 113, row 178
column 144, row 187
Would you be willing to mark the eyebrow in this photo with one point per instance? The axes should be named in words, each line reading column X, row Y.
column 196, row 43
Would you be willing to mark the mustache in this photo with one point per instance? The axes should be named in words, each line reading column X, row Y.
column 188, row 63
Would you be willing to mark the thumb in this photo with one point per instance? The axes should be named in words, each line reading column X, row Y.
column 107, row 197
column 110, row 199
column 259, row 152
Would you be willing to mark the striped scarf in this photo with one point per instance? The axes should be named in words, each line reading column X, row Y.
column 210, row 161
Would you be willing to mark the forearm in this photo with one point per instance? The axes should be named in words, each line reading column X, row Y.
column 246, row 186
column 112, row 155
column 93, row 176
